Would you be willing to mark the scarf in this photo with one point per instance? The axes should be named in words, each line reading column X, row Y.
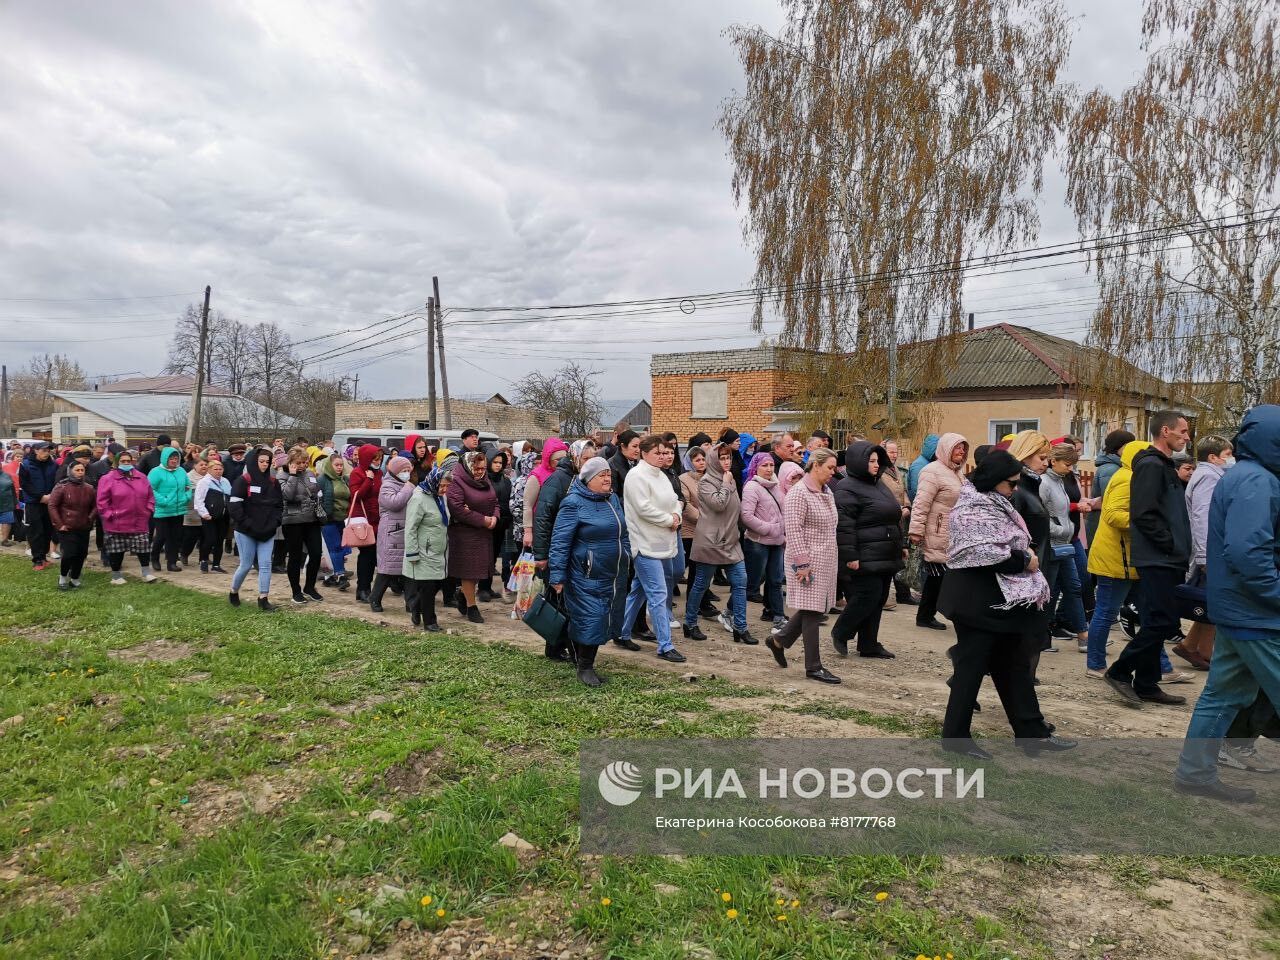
column 524, row 469
column 755, row 463
column 544, row 470
column 431, row 487
column 984, row 530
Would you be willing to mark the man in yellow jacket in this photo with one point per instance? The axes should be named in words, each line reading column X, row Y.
column 1110, row 560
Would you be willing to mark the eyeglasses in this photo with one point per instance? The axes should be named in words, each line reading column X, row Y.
column 1013, row 484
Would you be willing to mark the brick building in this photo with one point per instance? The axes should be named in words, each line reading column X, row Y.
column 495, row 415
column 709, row 390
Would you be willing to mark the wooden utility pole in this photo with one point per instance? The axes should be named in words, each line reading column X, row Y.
column 197, row 391
column 891, row 397
column 444, row 373
column 355, row 390
column 431, row 362
column 5, row 427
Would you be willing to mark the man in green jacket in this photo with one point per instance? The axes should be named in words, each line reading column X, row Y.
column 172, row 488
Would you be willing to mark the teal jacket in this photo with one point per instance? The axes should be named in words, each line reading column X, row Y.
column 172, row 487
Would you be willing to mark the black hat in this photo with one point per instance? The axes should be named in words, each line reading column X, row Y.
column 821, row 435
column 728, row 435
column 163, row 440
column 470, row 432
column 698, row 439
column 996, row 466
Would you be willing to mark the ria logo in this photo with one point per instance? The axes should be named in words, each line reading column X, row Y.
column 620, row 783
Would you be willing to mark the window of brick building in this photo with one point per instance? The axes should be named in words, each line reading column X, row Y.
column 710, row 400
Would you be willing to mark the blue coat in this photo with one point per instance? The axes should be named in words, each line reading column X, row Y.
column 589, row 555
column 928, row 450
column 1244, row 530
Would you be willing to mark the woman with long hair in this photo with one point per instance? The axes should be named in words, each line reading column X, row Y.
column 764, row 543
column 303, row 518
column 257, row 509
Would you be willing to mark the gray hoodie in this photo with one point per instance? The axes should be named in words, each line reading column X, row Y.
column 1057, row 504
column 1199, row 494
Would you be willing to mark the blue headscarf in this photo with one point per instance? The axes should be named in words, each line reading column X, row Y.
column 431, row 487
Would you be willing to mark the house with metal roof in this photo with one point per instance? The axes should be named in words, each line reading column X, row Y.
column 132, row 418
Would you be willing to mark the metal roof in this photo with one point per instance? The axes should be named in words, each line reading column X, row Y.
column 159, row 410
column 176, row 383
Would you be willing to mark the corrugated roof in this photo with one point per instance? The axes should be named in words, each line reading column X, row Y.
column 159, row 409
column 171, row 383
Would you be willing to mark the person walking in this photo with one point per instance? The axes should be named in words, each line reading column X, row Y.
column 1243, row 589
column 212, row 493
column 764, row 543
column 936, row 493
column 191, row 520
column 928, row 452
column 335, row 502
column 869, row 541
column 125, row 504
column 502, row 540
column 588, row 561
column 1160, row 533
column 809, row 516
column 35, row 485
column 173, row 490
column 652, row 512
column 896, row 484
column 1214, row 456
column 1064, row 589
column 697, row 458
column 72, row 512
column 257, row 510
column 301, row 521
column 393, row 501
column 717, row 545
column 993, row 593
column 426, row 544
column 364, row 484
column 8, row 505
column 473, row 516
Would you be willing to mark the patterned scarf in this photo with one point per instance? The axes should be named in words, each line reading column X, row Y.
column 984, row 530
column 524, row 468
column 431, row 486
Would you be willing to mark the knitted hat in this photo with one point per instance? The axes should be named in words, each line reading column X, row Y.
column 592, row 468
column 398, row 465
column 995, row 466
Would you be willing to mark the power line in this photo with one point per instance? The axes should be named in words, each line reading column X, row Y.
column 149, row 296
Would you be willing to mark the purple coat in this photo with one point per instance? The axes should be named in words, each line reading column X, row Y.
column 393, row 499
column 470, row 541
column 125, row 502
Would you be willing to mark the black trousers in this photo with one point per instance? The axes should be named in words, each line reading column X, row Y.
column 421, row 598
column 1139, row 661
column 380, row 583
column 1006, row 656
column 302, row 539
column 168, row 537
column 930, row 590
column 190, row 540
column 803, row 623
column 117, row 561
column 864, row 598
column 366, row 563
column 213, row 535
column 75, row 548
column 39, row 530
column 584, row 654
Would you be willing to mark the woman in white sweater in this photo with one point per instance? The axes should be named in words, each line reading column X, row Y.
column 653, row 514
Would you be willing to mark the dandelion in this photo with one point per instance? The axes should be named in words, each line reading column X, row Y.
column 781, row 918
column 53, row 675
column 426, row 901
column 951, row 956
column 779, row 902
column 605, row 901
column 726, row 896
column 91, row 670
column 341, row 900
column 881, row 897
column 440, row 912
column 62, row 720
column 731, row 914
column 794, row 904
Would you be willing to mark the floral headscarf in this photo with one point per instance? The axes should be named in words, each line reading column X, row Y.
column 983, row 529
column 431, row 486
column 756, row 460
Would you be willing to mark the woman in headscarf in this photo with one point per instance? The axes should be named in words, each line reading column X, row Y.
column 365, row 483
column 426, row 542
column 125, row 504
column 994, row 594
column 765, row 539
column 473, row 516
column 72, row 511
column 503, row 542
column 936, row 494
column 393, row 499
column 552, row 451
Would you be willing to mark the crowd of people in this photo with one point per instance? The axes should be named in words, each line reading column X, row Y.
column 1005, row 541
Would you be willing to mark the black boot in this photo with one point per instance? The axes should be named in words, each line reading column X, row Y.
column 362, row 596
column 744, row 636
column 473, row 614
column 266, row 606
column 585, row 658
column 694, row 632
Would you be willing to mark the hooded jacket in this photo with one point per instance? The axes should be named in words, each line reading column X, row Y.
column 550, row 496
column 1159, row 525
column 125, row 502
column 928, row 450
column 589, row 555
column 1106, row 465
column 1057, row 504
column 1110, row 551
column 73, row 504
column 393, row 502
column 740, row 459
column 1244, row 532
column 716, row 540
column 762, row 511
column 8, row 493
column 36, row 477
column 1199, row 494
column 301, row 495
column 364, row 488
column 173, row 488
column 1026, row 500
column 335, row 494
column 937, row 492
column 868, row 516
column 256, row 505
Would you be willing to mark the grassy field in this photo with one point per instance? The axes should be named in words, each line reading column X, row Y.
column 191, row 781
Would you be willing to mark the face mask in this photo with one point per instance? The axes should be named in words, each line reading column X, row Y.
column 126, row 467
column 403, row 475
column 1228, row 463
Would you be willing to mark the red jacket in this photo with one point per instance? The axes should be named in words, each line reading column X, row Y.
column 73, row 505
column 364, row 488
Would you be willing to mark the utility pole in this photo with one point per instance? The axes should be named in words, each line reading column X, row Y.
column 892, row 395
column 355, row 390
column 431, row 362
column 4, row 401
column 444, row 373
column 197, row 391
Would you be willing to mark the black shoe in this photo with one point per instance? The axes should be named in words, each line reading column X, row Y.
column 841, row 645
column 878, row 652
column 278, row 568
column 484, row 596
column 375, row 606
column 756, row 597
column 675, row 589
column 672, row 656
column 415, row 618
column 1060, row 632
column 473, row 615
column 589, row 677
column 1049, row 744
column 173, row 567
column 1160, row 696
column 299, row 597
column 155, row 565
column 204, row 566
column 693, row 633
column 768, row 616
column 1126, row 691
column 710, row 597
column 216, row 569
column 908, row 601
column 460, row 602
column 395, row 589
column 1217, row 790
column 313, row 594
column 344, row 584
column 966, row 748
column 708, row 611
column 234, row 598
column 934, row 624
column 779, row 655
column 64, row 587
column 266, row 606
column 362, row 596
column 432, row 627
column 745, row 637
column 626, row 644
column 822, row 675
column 645, row 634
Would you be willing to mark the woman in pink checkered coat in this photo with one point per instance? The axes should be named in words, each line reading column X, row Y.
column 811, row 560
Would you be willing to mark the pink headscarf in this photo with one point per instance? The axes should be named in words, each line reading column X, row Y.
column 544, row 470
column 756, row 460
column 788, row 474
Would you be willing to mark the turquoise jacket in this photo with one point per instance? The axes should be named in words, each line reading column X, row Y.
column 172, row 487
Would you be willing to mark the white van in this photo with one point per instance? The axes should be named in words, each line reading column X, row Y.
column 395, row 439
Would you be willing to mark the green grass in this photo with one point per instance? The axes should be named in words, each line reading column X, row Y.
column 108, row 774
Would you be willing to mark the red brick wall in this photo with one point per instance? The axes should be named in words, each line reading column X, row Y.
column 750, row 394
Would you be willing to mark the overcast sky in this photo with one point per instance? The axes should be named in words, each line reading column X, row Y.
column 317, row 163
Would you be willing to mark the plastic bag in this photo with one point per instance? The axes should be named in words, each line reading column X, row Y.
column 523, row 584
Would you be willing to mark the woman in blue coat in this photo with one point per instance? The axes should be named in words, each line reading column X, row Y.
column 588, row 561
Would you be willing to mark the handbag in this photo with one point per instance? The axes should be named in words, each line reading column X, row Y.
column 546, row 618
column 1191, row 599
column 1063, row 550
column 359, row 532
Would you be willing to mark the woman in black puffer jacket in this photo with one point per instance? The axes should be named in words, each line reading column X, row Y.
column 869, row 538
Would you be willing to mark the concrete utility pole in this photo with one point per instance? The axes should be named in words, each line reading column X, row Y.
column 892, row 395
column 431, row 362
column 5, row 427
column 355, row 390
column 197, row 391
column 444, row 373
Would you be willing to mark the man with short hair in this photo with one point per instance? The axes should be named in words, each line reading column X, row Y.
column 781, row 449
column 470, row 439
column 1160, row 537
column 36, row 483
column 151, row 459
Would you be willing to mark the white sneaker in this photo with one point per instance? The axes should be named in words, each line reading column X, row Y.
column 675, row 624
column 54, row 555
column 1243, row 758
column 726, row 621
column 149, row 577
column 117, row 580
column 1176, row 677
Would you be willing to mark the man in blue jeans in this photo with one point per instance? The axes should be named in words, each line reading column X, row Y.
column 1160, row 535
column 1243, row 588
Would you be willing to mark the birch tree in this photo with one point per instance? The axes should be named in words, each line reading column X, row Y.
column 878, row 146
column 1183, row 164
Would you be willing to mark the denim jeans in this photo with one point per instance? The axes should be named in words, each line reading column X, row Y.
column 764, row 562
column 1087, row 596
column 333, row 543
column 1238, row 668
column 1112, row 592
column 737, row 574
column 250, row 549
column 650, row 584
column 1066, row 602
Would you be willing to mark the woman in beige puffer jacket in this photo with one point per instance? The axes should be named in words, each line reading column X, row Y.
column 936, row 494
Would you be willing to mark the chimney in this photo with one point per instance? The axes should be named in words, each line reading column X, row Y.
column 971, row 321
